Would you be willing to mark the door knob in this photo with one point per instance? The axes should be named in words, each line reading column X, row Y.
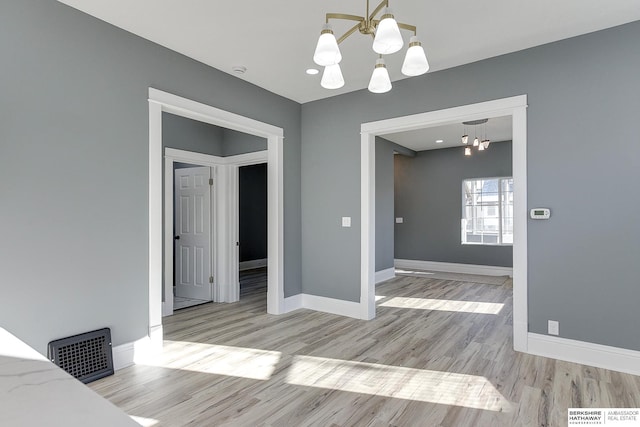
column 177, row 237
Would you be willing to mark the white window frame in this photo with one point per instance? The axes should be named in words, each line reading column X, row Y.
column 498, row 206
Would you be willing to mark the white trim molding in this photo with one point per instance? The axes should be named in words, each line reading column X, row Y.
column 128, row 354
column 384, row 275
column 162, row 102
column 331, row 305
column 123, row 356
column 225, row 224
column 246, row 159
column 254, row 263
column 323, row 304
column 292, row 303
column 516, row 107
column 600, row 356
column 450, row 267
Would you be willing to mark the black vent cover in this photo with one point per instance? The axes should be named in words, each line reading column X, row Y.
column 86, row 356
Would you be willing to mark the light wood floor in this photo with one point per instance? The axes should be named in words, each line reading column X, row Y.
column 439, row 353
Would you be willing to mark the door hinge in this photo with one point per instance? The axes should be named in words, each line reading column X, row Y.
column 210, row 279
column 210, row 181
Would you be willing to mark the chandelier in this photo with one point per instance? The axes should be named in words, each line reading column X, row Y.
column 480, row 144
column 386, row 40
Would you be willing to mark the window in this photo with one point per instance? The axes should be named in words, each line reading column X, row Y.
column 487, row 211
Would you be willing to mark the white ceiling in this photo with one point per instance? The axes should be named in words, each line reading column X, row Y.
column 496, row 129
column 275, row 39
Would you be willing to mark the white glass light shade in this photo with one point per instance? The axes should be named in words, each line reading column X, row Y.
column 486, row 143
column 415, row 61
column 327, row 50
column 476, row 142
column 380, row 81
column 481, row 147
column 332, row 77
column 388, row 38
column 467, row 151
column 465, row 139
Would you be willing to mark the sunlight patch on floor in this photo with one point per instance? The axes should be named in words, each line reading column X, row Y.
column 444, row 388
column 443, row 305
column 144, row 422
column 416, row 272
column 217, row 359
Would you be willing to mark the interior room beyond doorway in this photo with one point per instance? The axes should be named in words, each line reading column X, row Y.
column 205, row 209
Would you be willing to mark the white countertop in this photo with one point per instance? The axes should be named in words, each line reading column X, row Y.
column 35, row 392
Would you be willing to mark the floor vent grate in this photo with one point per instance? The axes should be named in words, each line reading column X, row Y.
column 86, row 356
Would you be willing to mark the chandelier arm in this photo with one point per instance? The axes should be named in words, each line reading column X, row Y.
column 345, row 17
column 408, row 28
column 384, row 3
column 348, row 33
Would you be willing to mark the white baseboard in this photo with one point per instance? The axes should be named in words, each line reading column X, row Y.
column 450, row 267
column 600, row 356
column 127, row 354
column 123, row 356
column 292, row 303
column 331, row 305
column 255, row 263
column 322, row 304
column 384, row 275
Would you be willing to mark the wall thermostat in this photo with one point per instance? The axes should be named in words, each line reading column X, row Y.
column 540, row 213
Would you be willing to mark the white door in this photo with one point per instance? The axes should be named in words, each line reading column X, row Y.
column 193, row 233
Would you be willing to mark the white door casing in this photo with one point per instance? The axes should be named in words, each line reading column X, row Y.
column 224, row 213
column 163, row 102
column 192, row 195
column 516, row 107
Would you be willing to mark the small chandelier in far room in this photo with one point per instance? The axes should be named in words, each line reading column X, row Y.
column 477, row 142
column 386, row 40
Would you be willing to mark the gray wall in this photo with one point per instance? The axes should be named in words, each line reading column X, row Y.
column 584, row 100
column 385, row 153
column 384, row 203
column 235, row 143
column 74, row 168
column 428, row 195
column 253, row 212
column 192, row 135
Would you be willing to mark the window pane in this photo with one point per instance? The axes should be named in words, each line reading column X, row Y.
column 487, row 211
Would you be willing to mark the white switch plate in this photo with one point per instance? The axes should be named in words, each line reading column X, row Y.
column 399, row 220
column 346, row 221
column 553, row 327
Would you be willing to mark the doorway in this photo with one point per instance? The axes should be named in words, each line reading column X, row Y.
column 224, row 182
column 515, row 107
column 160, row 102
column 253, row 236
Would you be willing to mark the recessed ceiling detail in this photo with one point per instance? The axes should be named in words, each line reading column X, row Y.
column 239, row 69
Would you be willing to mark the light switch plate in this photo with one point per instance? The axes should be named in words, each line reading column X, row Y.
column 399, row 220
column 346, row 221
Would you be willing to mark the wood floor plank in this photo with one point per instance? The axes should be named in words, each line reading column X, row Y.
column 439, row 353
